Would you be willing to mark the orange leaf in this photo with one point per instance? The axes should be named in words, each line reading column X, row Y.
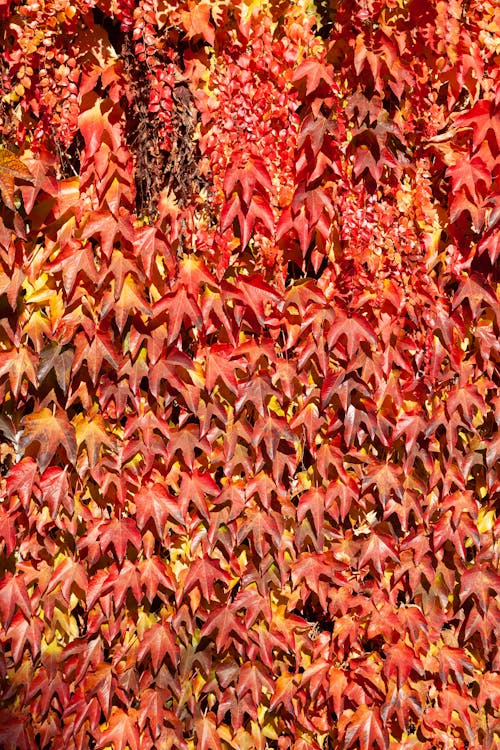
column 10, row 168
column 50, row 431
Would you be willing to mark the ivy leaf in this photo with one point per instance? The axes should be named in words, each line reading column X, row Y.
column 377, row 550
column 7, row 531
column 469, row 174
column 122, row 731
column 13, row 595
column 476, row 292
column 206, row 733
column 50, row 431
column 478, row 581
column 401, row 662
column 118, row 532
column 204, row 574
column 366, row 726
column 284, row 691
column 196, row 21
column 155, row 503
column 94, row 352
column 157, row 641
column 155, row 573
column 24, row 632
column 227, row 625
column 91, row 432
column 11, row 168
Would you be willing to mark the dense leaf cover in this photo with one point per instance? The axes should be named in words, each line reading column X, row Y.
column 249, row 383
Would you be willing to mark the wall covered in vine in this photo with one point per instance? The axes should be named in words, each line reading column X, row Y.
column 249, row 382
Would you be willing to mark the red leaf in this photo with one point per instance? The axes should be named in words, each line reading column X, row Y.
column 227, row 625
column 204, row 574
column 206, row 733
column 13, row 595
column 122, row 731
column 155, row 503
column 100, row 348
column 50, row 431
column 118, row 533
column 401, row 662
column 469, row 174
column 481, row 582
column 158, row 641
column 366, row 726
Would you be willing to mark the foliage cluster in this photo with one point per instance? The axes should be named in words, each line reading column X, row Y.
column 249, row 384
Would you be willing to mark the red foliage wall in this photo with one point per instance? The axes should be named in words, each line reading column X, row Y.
column 249, row 383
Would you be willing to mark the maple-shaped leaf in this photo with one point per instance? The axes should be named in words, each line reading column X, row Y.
column 263, row 529
column 405, row 703
column 355, row 329
column 129, row 301
column 196, row 486
column 284, row 690
column 482, row 118
column 227, row 626
column 454, row 661
column 18, row 364
column 256, row 390
column 94, row 352
column 221, row 369
column 249, row 176
column 377, row 550
column 103, row 223
column 56, row 491
column 21, row 480
column 92, row 433
column 149, row 243
column 309, row 419
column 252, row 677
column 470, row 174
column 50, row 432
column 118, row 532
column 481, row 582
column 387, row 478
column 366, row 726
column 22, row 633
column 156, row 503
column 54, row 357
column 74, row 259
column 67, row 573
column 314, row 502
column 476, row 291
column 271, row 429
column 10, row 285
column 196, row 21
column 123, row 580
column 400, row 662
column 204, row 573
column 7, row 531
column 158, row 641
column 11, row 168
column 177, row 308
column 314, row 72
column 318, row 573
column 155, row 574
column 13, row 595
column 122, row 731
column 207, row 737
column 186, row 442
